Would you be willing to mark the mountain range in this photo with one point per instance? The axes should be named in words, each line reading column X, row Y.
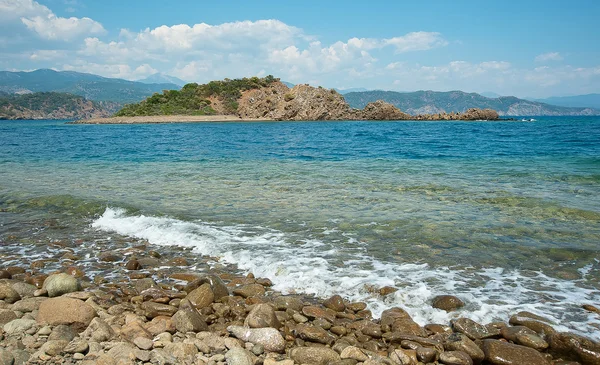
column 91, row 87
column 118, row 92
column 431, row 102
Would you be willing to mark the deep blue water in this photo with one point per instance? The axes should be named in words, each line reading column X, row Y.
column 503, row 214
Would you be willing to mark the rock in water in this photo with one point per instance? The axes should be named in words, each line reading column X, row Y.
column 447, row 303
column 59, row 284
column 335, row 303
column 238, row 356
column 504, row 353
column 314, row 355
column 268, row 337
column 69, row 311
column 262, row 315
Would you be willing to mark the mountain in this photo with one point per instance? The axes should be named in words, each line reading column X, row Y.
column 431, row 102
column 159, row 78
column 288, row 84
column 581, row 101
column 490, row 94
column 91, row 87
column 51, row 105
column 351, row 90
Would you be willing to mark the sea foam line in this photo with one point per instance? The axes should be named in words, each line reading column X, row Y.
column 491, row 293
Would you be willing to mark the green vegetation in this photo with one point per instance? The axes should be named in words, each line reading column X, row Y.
column 193, row 99
column 45, row 103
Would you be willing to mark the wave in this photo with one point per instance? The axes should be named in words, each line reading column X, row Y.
column 316, row 267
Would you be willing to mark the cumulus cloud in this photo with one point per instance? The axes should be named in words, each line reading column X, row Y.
column 40, row 20
column 550, row 56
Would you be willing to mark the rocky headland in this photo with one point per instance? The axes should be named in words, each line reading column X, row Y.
column 124, row 301
column 270, row 99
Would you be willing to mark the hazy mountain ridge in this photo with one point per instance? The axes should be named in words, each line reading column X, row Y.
column 52, row 105
column 577, row 101
column 430, row 102
column 92, row 87
column 160, row 78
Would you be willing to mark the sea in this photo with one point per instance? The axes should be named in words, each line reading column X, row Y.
column 505, row 215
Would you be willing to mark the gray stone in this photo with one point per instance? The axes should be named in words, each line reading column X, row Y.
column 6, row 358
column 21, row 357
column 189, row 320
column 239, row 356
column 59, row 284
column 28, row 304
column 8, row 294
column 99, row 331
column 62, row 333
column 19, row 326
column 54, row 347
column 78, row 345
column 143, row 343
column 268, row 337
column 6, row 315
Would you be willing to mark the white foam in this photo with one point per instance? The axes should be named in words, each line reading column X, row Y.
column 314, row 267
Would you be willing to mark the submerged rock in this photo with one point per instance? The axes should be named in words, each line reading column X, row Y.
column 447, row 302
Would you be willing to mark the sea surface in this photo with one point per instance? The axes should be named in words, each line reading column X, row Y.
column 505, row 215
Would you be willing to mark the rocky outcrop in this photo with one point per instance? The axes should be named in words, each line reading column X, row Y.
column 304, row 102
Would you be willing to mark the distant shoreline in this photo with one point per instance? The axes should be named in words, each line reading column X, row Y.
column 166, row 119
column 161, row 119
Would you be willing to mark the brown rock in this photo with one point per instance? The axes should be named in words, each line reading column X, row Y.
column 189, row 320
column 387, row 290
column 249, row 290
column 109, row 257
column 201, row 297
column 335, row 303
column 455, row 358
column 262, row 315
column 69, row 311
column 398, row 320
column 448, row 303
column 5, row 274
column 314, row 355
column 133, row 265
column 8, row 294
column 288, row 302
column 314, row 312
column 460, row 342
column 573, row 347
column 357, row 306
column 524, row 336
column 504, row 353
column 152, row 309
column 160, row 324
column 538, row 324
column 75, row 272
column 474, row 330
column 314, row 334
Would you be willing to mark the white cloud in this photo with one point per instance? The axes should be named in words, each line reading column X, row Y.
column 56, row 28
column 550, row 56
column 417, row 41
column 40, row 20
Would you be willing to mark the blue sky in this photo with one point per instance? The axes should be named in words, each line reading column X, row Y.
column 523, row 48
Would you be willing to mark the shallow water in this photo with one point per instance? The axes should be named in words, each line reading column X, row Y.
column 505, row 215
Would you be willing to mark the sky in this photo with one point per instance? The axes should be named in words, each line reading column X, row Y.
column 525, row 48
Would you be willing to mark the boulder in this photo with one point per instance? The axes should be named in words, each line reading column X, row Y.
column 99, row 331
column 249, row 290
column 539, row 324
column 262, row 315
column 19, row 326
column 455, row 358
column 152, row 309
column 239, row 356
column 69, row 311
column 524, row 336
column 335, row 303
column 314, row 312
column 504, row 353
column 574, row 347
column 448, row 303
column 189, row 320
column 202, row 296
column 288, row 302
column 460, row 342
column 8, row 294
column 314, row 355
column 473, row 330
column 398, row 320
column 59, row 284
column 268, row 337
column 314, row 334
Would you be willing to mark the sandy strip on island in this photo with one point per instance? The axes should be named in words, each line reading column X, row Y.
column 168, row 119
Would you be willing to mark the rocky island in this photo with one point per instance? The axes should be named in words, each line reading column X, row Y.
column 265, row 98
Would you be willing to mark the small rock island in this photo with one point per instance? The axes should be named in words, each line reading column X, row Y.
column 254, row 99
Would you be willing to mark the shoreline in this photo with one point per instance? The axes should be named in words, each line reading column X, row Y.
column 166, row 119
column 137, row 301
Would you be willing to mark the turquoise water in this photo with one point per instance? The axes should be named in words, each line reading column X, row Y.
column 506, row 215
